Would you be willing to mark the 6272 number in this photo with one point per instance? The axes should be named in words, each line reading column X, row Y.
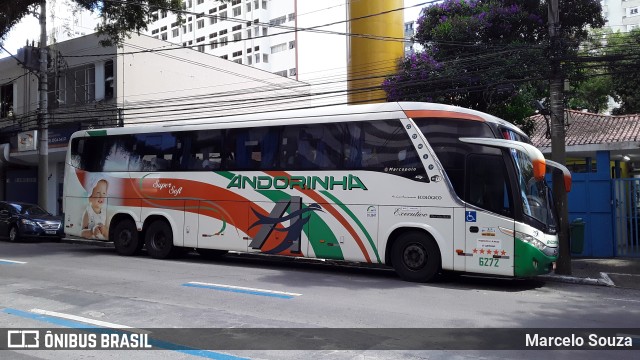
column 489, row 262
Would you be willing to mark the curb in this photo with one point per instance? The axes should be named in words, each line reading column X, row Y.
column 604, row 280
column 87, row 242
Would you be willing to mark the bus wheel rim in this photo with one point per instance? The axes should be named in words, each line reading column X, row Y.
column 415, row 256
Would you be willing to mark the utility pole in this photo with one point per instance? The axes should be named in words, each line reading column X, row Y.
column 43, row 125
column 558, row 153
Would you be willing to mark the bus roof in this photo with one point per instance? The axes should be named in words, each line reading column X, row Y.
column 377, row 111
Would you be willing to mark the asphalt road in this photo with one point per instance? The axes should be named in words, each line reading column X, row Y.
column 90, row 284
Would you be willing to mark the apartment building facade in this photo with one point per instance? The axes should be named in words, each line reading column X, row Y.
column 257, row 33
column 621, row 15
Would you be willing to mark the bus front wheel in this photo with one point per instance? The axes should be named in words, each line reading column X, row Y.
column 159, row 240
column 416, row 257
column 125, row 238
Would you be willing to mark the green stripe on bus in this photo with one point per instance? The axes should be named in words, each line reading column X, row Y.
column 355, row 219
column 97, row 132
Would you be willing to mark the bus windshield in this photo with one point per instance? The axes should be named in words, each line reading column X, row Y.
column 535, row 194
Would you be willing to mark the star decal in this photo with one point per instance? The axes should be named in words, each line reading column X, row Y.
column 475, row 251
column 503, row 253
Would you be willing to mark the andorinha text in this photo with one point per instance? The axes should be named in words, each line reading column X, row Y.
column 537, row 340
column 350, row 182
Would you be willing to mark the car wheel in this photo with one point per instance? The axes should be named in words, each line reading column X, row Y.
column 13, row 234
column 159, row 240
column 416, row 257
column 212, row 254
column 125, row 238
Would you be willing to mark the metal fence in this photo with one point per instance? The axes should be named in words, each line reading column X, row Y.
column 626, row 202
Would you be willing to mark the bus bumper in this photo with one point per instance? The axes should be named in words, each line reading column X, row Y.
column 530, row 261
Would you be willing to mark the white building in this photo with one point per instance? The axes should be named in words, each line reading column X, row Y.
column 92, row 86
column 621, row 15
column 258, row 33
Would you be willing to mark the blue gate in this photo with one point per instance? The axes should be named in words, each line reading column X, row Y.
column 626, row 220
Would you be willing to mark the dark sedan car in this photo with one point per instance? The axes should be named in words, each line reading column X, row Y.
column 23, row 220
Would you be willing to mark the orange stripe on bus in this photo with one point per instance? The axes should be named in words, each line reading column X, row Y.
column 441, row 114
column 319, row 199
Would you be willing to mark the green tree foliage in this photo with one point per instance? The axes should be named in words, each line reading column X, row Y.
column 488, row 55
column 624, row 68
column 122, row 17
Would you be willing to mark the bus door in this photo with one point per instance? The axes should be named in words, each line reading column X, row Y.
column 489, row 224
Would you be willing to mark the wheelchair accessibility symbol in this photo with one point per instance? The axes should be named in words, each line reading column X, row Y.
column 470, row 216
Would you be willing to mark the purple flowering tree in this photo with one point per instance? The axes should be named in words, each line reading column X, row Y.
column 489, row 55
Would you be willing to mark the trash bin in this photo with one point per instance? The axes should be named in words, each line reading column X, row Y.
column 576, row 234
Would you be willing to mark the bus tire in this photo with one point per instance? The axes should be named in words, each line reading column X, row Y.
column 415, row 257
column 212, row 254
column 125, row 237
column 158, row 240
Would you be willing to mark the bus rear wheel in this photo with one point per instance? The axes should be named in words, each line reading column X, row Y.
column 159, row 240
column 126, row 238
column 415, row 257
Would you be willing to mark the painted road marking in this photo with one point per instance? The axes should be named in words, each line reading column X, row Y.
column 11, row 262
column 243, row 290
column 81, row 319
column 155, row 343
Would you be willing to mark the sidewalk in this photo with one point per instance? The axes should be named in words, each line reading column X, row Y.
column 619, row 272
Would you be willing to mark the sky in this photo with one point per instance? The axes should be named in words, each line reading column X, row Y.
column 29, row 28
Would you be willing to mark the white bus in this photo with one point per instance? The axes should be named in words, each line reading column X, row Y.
column 420, row 187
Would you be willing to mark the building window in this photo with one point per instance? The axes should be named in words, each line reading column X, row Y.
column 222, row 32
column 235, row 2
column 200, row 23
column 6, row 100
column 292, row 44
column 257, row 58
column 213, row 20
column 249, row 51
column 200, row 2
column 293, row 72
column 281, row 73
column 213, row 44
column 634, row 11
column 278, row 21
column 153, row 32
column 248, row 33
column 211, row 11
column 239, row 61
column 223, row 41
column 278, row 48
column 249, row 60
column 248, row 7
column 237, row 53
column 213, row 35
column 237, row 11
column 82, row 82
column 163, row 36
column 223, row 15
column 201, row 48
column 264, row 31
column 200, row 39
column 264, row 4
column 237, row 36
column 163, row 14
column 292, row 16
column 175, row 32
column 224, row 57
column 265, row 58
column 164, row 28
column 236, row 28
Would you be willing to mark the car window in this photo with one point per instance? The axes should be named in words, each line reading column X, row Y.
column 33, row 210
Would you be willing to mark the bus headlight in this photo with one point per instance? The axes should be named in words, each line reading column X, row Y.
column 549, row 251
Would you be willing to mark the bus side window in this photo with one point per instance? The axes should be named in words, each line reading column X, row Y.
column 486, row 184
